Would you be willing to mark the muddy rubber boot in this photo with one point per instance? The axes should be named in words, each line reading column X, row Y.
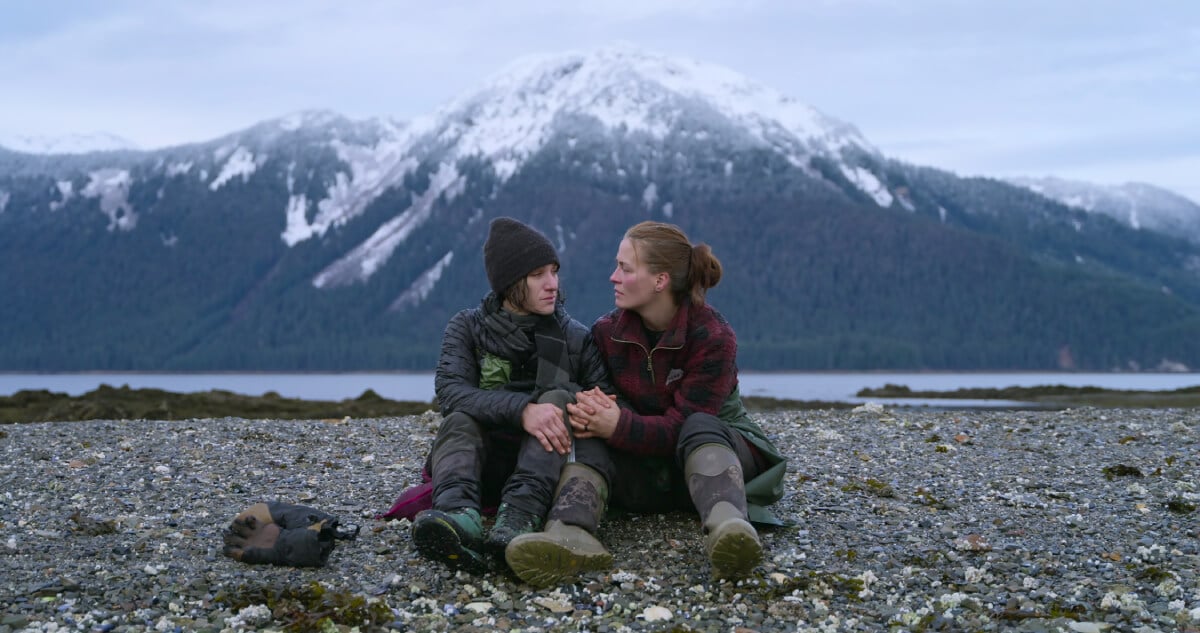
column 714, row 479
column 567, row 547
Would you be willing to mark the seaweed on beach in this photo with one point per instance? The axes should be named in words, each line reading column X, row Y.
column 1061, row 395
column 1120, row 470
column 312, row 607
column 123, row 403
column 763, row 404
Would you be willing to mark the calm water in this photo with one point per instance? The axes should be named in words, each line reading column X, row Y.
column 419, row 386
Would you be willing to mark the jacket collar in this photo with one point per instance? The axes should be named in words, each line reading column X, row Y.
column 629, row 327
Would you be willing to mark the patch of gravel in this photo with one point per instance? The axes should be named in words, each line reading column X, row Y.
column 906, row 519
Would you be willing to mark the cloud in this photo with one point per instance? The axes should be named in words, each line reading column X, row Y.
column 965, row 85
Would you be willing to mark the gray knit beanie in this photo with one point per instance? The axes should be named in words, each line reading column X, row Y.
column 512, row 250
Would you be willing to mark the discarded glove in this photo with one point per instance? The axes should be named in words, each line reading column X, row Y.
column 283, row 534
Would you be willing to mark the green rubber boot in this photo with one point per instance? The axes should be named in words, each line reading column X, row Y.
column 454, row 537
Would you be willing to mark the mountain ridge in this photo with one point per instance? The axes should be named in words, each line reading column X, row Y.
column 1139, row 205
column 72, row 143
column 313, row 241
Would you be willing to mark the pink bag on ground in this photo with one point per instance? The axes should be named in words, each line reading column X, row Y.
column 417, row 498
column 412, row 500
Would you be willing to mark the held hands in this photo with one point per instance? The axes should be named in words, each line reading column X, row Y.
column 594, row 414
column 545, row 422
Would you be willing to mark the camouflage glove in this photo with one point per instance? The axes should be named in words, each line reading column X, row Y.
column 281, row 534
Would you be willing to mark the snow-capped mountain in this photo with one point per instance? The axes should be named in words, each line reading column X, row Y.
column 1139, row 205
column 632, row 93
column 66, row 144
column 618, row 94
column 314, row 241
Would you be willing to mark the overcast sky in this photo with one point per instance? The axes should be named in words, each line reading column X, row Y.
column 1106, row 91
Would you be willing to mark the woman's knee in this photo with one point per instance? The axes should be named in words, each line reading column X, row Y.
column 458, row 428
column 560, row 397
column 700, row 429
column 533, row 457
column 703, row 428
column 702, row 423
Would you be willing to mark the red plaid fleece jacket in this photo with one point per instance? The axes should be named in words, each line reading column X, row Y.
column 693, row 369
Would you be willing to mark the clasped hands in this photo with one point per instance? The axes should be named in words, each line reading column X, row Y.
column 593, row 414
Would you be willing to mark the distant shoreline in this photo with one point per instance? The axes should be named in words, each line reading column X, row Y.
column 1055, row 396
column 125, row 403
column 838, row 388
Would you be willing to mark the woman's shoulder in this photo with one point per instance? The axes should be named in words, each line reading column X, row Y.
column 567, row 322
column 573, row 327
column 466, row 315
column 467, row 321
column 708, row 318
column 608, row 320
column 712, row 313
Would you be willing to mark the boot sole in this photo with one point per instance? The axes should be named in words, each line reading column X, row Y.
column 735, row 553
column 436, row 539
column 543, row 563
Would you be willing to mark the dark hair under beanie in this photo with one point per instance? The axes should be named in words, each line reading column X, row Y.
column 513, row 250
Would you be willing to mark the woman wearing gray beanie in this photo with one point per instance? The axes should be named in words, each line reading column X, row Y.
column 506, row 373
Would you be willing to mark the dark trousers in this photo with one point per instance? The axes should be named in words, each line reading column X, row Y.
column 473, row 467
column 649, row 484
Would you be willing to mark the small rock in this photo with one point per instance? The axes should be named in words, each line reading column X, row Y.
column 553, row 605
column 656, row 614
column 14, row 621
column 972, row 543
column 1089, row 627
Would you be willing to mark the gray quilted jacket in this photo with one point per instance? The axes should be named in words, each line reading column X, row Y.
column 466, row 345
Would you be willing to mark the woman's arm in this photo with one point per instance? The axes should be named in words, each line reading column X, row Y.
column 456, row 380
column 593, row 371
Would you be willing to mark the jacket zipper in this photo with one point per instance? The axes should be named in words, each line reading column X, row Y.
column 649, row 357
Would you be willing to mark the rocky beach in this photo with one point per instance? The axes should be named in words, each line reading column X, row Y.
column 1081, row 520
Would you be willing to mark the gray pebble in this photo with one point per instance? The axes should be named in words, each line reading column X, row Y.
column 1030, row 484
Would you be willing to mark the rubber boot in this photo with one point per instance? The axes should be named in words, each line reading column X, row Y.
column 454, row 537
column 567, row 546
column 714, row 479
column 452, row 531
